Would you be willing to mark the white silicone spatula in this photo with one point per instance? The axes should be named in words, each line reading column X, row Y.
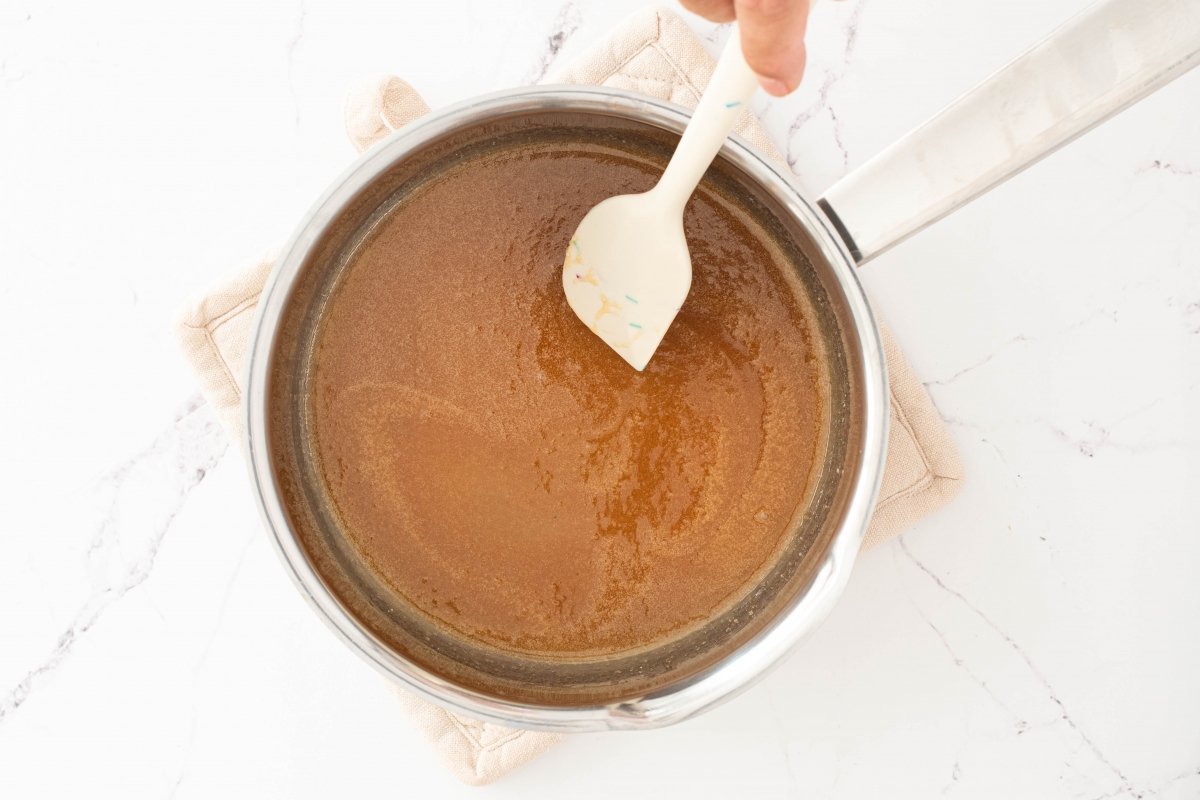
column 627, row 269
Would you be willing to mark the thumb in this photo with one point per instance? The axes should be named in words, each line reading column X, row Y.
column 773, row 41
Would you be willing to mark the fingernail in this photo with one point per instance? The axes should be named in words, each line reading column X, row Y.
column 773, row 86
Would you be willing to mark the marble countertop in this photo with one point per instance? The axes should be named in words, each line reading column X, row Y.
column 1039, row 638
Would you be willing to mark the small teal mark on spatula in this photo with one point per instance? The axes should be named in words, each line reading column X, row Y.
column 733, row 104
column 635, row 325
column 631, row 299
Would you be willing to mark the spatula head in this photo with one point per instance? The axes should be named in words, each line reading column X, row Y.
column 627, row 272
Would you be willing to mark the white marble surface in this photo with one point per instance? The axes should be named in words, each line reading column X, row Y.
column 1040, row 638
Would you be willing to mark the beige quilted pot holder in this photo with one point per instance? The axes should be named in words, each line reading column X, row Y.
column 655, row 53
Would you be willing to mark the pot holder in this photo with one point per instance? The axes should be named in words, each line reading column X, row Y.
column 655, row 53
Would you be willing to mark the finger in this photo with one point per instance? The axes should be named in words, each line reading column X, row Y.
column 715, row 10
column 773, row 41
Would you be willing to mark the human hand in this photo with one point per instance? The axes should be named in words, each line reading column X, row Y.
column 772, row 36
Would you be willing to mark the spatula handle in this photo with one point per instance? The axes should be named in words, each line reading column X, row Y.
column 732, row 85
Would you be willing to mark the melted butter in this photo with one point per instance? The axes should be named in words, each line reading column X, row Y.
column 507, row 473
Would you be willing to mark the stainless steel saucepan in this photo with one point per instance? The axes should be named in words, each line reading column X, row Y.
column 1101, row 61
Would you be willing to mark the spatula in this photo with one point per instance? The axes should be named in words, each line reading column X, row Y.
column 628, row 270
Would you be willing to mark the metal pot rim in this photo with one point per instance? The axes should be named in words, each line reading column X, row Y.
column 742, row 667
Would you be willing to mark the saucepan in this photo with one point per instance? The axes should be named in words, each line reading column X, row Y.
column 1104, row 59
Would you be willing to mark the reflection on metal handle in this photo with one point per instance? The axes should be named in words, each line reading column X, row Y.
column 1106, row 58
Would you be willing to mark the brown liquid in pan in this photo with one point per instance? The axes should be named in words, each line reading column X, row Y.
column 511, row 477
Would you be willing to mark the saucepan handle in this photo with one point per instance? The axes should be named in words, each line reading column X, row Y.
column 1109, row 56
